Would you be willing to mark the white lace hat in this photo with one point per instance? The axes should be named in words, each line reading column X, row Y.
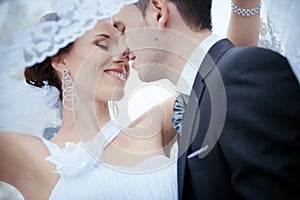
column 75, row 17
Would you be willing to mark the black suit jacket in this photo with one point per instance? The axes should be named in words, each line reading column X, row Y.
column 257, row 154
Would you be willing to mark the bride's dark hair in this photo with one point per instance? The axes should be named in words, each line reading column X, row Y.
column 37, row 74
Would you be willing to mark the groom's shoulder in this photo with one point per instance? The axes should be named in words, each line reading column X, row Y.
column 251, row 51
column 253, row 62
column 253, row 56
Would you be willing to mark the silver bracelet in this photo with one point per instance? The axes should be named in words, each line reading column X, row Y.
column 244, row 11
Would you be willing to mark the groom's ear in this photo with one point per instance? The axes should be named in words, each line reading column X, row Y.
column 161, row 12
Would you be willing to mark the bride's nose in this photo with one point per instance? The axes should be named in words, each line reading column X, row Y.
column 123, row 54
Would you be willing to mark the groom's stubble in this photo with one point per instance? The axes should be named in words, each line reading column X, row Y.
column 148, row 43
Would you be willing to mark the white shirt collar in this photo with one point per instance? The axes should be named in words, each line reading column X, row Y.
column 189, row 72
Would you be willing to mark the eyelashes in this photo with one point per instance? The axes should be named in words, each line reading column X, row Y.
column 102, row 46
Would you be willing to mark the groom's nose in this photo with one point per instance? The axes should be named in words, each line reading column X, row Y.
column 131, row 55
column 123, row 50
column 122, row 53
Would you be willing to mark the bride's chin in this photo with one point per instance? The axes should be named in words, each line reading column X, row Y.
column 118, row 97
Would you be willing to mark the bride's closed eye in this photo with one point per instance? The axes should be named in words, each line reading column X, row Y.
column 102, row 41
column 102, row 46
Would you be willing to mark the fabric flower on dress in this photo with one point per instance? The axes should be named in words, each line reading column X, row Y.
column 73, row 160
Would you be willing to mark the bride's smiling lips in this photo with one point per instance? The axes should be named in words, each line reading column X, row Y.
column 117, row 72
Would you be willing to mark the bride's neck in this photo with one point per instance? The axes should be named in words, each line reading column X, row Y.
column 85, row 122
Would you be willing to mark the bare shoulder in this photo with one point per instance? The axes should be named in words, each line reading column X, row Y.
column 20, row 141
column 159, row 116
column 17, row 153
column 158, row 121
column 168, row 132
column 151, row 117
column 168, row 103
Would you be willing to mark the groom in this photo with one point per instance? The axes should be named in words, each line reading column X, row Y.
column 241, row 131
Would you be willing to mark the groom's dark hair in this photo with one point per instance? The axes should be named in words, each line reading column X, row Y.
column 195, row 13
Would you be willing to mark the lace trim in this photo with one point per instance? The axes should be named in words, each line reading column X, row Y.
column 269, row 39
column 75, row 18
column 280, row 30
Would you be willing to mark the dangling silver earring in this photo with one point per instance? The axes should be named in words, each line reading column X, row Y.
column 114, row 108
column 70, row 98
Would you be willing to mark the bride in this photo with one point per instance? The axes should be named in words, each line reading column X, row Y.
column 83, row 61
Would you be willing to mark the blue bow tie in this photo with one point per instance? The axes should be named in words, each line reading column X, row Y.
column 178, row 111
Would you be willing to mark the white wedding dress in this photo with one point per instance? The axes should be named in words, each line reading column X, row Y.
column 280, row 30
column 82, row 176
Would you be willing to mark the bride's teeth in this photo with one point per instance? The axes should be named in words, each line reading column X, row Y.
column 118, row 75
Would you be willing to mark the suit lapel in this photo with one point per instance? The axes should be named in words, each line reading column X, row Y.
column 187, row 133
column 192, row 115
